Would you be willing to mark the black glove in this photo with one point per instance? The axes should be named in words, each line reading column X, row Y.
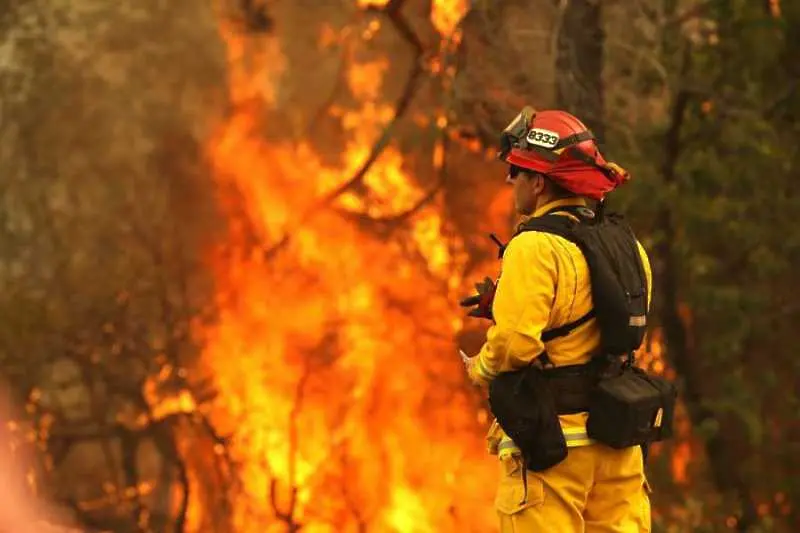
column 482, row 301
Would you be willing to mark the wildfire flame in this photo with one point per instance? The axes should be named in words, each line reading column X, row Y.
column 684, row 445
column 334, row 350
column 446, row 14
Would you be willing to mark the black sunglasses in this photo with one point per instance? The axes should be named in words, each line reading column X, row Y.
column 514, row 171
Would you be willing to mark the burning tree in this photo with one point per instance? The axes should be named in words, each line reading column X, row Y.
column 338, row 305
column 101, row 275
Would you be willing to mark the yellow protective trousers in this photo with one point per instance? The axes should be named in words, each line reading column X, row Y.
column 596, row 489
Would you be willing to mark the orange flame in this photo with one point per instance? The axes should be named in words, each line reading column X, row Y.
column 371, row 3
column 333, row 352
column 651, row 354
column 684, row 444
column 446, row 14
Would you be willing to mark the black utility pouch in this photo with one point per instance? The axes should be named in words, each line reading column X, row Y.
column 631, row 408
column 523, row 405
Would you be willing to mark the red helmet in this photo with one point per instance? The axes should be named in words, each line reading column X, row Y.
column 560, row 146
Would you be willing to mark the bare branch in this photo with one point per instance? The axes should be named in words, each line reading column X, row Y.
column 294, row 415
column 275, row 248
column 130, row 469
column 393, row 11
column 287, row 517
column 350, row 502
column 183, row 509
column 389, row 223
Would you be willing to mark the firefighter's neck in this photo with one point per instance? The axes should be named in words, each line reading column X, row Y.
column 545, row 197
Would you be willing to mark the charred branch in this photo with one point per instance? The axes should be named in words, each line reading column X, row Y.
column 255, row 17
column 389, row 223
column 130, row 469
column 66, row 433
column 294, row 415
column 88, row 520
column 287, row 517
column 275, row 248
column 417, row 207
column 392, row 11
column 349, row 501
column 183, row 508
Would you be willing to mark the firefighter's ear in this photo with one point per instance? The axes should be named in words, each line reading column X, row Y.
column 537, row 183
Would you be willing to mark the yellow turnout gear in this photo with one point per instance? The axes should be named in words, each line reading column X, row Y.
column 545, row 284
column 596, row 489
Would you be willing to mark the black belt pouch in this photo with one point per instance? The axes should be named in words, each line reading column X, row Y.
column 631, row 408
column 523, row 405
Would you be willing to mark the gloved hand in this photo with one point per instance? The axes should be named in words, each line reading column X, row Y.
column 482, row 301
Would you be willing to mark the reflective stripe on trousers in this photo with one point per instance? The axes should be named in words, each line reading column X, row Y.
column 573, row 436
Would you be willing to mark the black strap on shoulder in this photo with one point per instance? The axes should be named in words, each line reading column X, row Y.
column 582, row 212
column 549, row 223
column 563, row 227
column 566, row 329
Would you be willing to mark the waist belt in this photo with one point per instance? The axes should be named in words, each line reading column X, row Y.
column 571, row 386
column 574, row 437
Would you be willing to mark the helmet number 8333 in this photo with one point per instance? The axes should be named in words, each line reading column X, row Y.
column 543, row 138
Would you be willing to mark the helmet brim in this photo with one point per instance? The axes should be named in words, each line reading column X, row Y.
column 529, row 162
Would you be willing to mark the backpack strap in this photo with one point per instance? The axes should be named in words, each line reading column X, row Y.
column 566, row 329
column 563, row 331
column 551, row 222
column 580, row 212
column 562, row 226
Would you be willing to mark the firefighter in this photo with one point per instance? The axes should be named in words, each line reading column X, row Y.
column 545, row 284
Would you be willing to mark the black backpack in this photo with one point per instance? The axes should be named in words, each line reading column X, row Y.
column 626, row 406
column 619, row 285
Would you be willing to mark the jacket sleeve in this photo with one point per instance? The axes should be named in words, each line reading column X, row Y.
column 523, row 301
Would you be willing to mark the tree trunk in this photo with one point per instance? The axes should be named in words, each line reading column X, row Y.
column 579, row 61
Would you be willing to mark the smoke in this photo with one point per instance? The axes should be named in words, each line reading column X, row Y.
column 21, row 511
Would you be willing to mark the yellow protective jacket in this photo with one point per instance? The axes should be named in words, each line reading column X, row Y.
column 544, row 283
